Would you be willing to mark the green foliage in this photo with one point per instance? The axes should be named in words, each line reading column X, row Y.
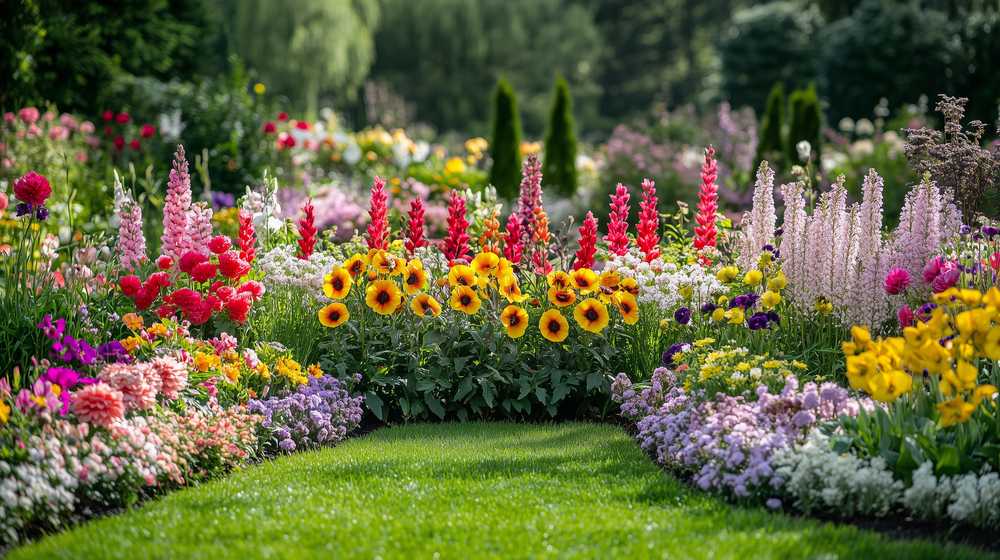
column 768, row 44
column 559, row 166
column 805, row 123
column 566, row 490
column 505, row 146
column 309, row 50
column 772, row 142
column 905, row 50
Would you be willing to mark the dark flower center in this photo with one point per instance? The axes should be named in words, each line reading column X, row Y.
column 382, row 297
column 465, row 299
column 338, row 284
column 412, row 279
column 591, row 314
column 513, row 319
column 334, row 315
column 554, row 326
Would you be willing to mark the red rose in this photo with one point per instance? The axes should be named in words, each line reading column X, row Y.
column 219, row 244
column 130, row 285
column 159, row 279
column 134, row 144
column 232, row 266
column 148, row 131
column 164, row 262
column 32, row 188
column 199, row 314
column 252, row 287
column 270, row 128
column 122, row 118
column 282, row 116
column 166, row 310
column 302, row 125
column 108, row 116
column 239, row 307
column 185, row 298
column 190, row 260
column 119, row 143
column 203, row 272
column 145, row 297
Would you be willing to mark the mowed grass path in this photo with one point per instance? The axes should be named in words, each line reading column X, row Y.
column 465, row 491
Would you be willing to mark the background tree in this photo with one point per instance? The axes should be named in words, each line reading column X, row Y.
column 805, row 122
column 559, row 165
column 772, row 145
column 505, row 148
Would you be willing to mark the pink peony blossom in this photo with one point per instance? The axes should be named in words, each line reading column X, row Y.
column 896, row 281
column 98, row 404
column 138, row 383
column 173, row 376
column 905, row 316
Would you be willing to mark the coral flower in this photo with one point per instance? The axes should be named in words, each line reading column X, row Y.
column 98, row 404
column 553, row 326
column 510, row 289
column 584, row 280
column 337, row 284
column 559, row 279
column 515, row 320
column 561, row 297
column 627, row 307
column 461, row 275
column 415, row 279
column 32, row 188
column 464, row 299
column 485, row 263
column 383, row 297
column 591, row 315
column 424, row 305
column 896, row 281
column 334, row 315
column 355, row 265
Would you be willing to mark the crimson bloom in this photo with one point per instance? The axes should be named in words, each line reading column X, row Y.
column 32, row 188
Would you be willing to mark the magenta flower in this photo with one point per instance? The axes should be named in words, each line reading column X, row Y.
column 905, row 316
column 896, row 281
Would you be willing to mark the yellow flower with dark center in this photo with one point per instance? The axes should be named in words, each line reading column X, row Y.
column 627, row 307
column 629, row 285
column 823, row 306
column 510, row 289
column 381, row 262
column 559, row 280
column 610, row 280
column 337, row 284
column 464, row 299
column 485, row 263
column 334, row 315
column 561, row 297
column 553, row 326
column 414, row 280
column 383, row 297
column 424, row 305
column 584, row 280
column 592, row 315
column 462, row 275
column 398, row 265
column 515, row 319
column 356, row 265
column 504, row 267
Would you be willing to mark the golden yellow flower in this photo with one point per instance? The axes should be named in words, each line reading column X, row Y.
column 629, row 285
column 515, row 320
column 510, row 289
column 559, row 280
column 504, row 268
column 291, row 370
column 823, row 306
column 315, row 371
column 485, row 263
column 584, row 280
column 414, row 280
column 425, row 304
column 727, row 274
column 718, row 314
column 131, row 343
column 627, row 307
column 158, row 329
column 553, row 326
column 735, row 316
column 955, row 411
column 383, row 297
column 334, row 315
column 462, row 275
column 203, row 362
column 889, row 385
column 561, row 297
column 610, row 280
column 753, row 277
column 4, row 412
column 591, row 315
column 231, row 372
column 132, row 321
column 770, row 299
column 464, row 299
column 356, row 265
column 454, row 166
column 777, row 282
column 337, row 284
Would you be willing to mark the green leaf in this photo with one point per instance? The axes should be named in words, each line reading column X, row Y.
column 559, row 393
column 593, row 381
column 542, row 394
column 948, row 460
column 374, row 404
column 460, row 363
column 465, row 388
column 489, row 393
column 434, row 404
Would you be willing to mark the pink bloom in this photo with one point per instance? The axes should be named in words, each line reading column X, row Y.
column 32, row 188
column 4, row 202
column 199, row 227
column 708, row 197
column 173, row 375
column 945, row 280
column 513, row 249
column 648, row 237
column 456, row 243
column 29, row 115
column 530, row 198
column 307, row 231
column 588, row 243
column 148, row 131
column 378, row 229
column 175, row 242
column 617, row 236
column 131, row 239
column 932, row 269
column 896, row 281
column 98, row 404
column 905, row 316
column 138, row 383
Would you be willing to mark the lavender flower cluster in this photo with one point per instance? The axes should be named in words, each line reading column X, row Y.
column 727, row 443
column 320, row 412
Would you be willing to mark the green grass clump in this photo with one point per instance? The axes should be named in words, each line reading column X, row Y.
column 480, row 490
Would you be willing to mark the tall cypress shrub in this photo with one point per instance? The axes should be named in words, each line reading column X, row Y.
column 505, row 149
column 559, row 166
column 772, row 146
column 806, row 119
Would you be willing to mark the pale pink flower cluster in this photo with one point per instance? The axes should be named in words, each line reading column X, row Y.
column 530, row 198
column 98, row 404
column 199, row 227
column 928, row 220
column 138, row 383
column 173, row 375
column 175, row 240
column 758, row 225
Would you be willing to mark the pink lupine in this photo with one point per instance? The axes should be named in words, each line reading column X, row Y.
column 200, row 226
column 175, row 241
column 708, row 197
column 531, row 196
column 131, row 240
column 617, row 236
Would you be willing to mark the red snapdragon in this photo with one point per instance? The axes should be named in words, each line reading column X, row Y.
column 378, row 229
column 617, row 236
column 708, row 203
column 307, row 231
column 512, row 248
column 456, row 243
column 588, row 243
column 648, row 237
column 247, row 237
column 415, row 230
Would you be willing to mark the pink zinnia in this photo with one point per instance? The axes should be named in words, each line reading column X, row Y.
column 378, row 229
column 648, row 237
column 98, row 404
column 708, row 197
column 173, row 375
column 896, row 281
column 617, row 236
column 456, row 243
column 415, row 231
column 588, row 243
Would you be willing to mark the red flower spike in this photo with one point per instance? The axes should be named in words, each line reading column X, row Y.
column 378, row 228
column 649, row 222
column 307, row 231
column 617, row 236
column 456, row 243
column 588, row 243
column 708, row 203
column 415, row 229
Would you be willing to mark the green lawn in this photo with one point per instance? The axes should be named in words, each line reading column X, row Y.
column 465, row 491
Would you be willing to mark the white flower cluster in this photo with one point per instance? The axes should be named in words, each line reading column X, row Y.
column 968, row 498
column 821, row 479
column 282, row 268
column 666, row 284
